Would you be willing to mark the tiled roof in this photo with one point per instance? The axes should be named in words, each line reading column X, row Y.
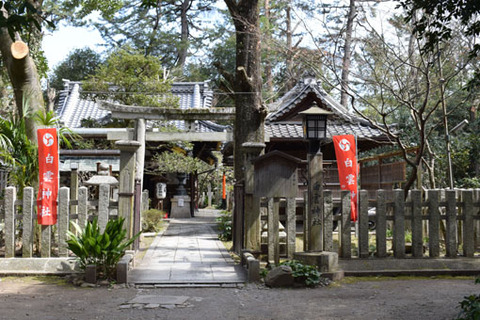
column 299, row 93
column 71, row 108
column 293, row 130
column 284, row 122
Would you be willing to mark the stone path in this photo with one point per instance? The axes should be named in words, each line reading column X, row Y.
column 188, row 254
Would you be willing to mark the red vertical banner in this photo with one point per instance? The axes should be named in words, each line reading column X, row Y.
column 224, row 187
column 346, row 153
column 48, row 176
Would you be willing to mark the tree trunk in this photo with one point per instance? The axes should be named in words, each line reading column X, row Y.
column 183, row 49
column 268, row 41
column 347, row 55
column 250, row 113
column 290, row 82
column 24, row 79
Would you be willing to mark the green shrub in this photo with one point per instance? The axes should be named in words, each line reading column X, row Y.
column 470, row 307
column 224, row 223
column 152, row 220
column 103, row 250
column 303, row 273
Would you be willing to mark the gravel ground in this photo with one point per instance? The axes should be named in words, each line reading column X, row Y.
column 382, row 298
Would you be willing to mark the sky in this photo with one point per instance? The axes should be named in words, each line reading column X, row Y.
column 58, row 44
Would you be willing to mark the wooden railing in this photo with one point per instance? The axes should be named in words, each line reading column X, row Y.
column 441, row 223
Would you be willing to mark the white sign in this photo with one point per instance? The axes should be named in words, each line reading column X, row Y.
column 181, row 202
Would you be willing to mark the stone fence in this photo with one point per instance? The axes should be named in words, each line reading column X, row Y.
column 21, row 230
column 440, row 223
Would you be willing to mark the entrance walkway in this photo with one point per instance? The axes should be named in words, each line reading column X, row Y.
column 188, row 254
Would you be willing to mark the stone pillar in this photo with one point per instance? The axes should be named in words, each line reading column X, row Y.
column 252, row 225
column 209, row 194
column 103, row 202
column 180, row 207
column 140, row 152
column 315, row 200
column 9, row 229
column 140, row 163
column 128, row 150
column 27, row 236
column 73, row 187
column 63, row 220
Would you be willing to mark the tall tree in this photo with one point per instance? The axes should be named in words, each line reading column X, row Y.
column 347, row 53
column 79, row 64
column 402, row 84
column 132, row 79
column 17, row 17
column 159, row 28
column 247, row 81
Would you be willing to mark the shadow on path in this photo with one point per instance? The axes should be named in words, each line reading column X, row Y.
column 188, row 253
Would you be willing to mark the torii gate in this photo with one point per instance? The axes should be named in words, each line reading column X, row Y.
column 140, row 136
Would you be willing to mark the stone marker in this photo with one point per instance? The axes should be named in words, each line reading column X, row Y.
column 280, row 277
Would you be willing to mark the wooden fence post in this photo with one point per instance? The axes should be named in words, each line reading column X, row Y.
column 476, row 199
column 417, row 232
column 363, row 225
column 468, row 227
column 345, row 228
column 10, row 198
column 433, row 198
column 451, row 224
column 399, row 224
column 381, row 222
column 63, row 220
column 27, row 235
column 328, row 221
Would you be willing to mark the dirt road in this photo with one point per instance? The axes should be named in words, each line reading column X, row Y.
column 385, row 298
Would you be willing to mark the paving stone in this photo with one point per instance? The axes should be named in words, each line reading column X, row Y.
column 188, row 252
column 161, row 300
column 125, row 306
column 168, row 306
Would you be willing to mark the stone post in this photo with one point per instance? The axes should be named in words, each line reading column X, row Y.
column 63, row 220
column 9, row 229
column 128, row 150
column 252, row 225
column 315, row 200
column 27, row 236
column 74, row 187
column 103, row 203
column 140, row 152
column 140, row 163
column 209, row 194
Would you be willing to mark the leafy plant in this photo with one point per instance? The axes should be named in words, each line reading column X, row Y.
column 19, row 154
column 103, row 250
column 152, row 220
column 178, row 162
column 470, row 307
column 224, row 223
column 304, row 273
column 131, row 78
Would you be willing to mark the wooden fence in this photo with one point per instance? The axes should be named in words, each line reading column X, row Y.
column 440, row 222
column 19, row 217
